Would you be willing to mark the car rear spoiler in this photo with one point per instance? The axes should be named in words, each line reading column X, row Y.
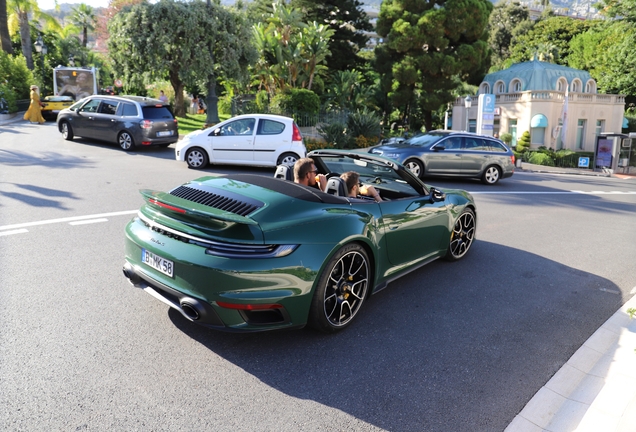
column 165, row 201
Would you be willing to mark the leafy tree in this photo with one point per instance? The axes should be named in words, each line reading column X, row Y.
column 14, row 72
column 348, row 22
column 18, row 13
column 431, row 47
column 507, row 20
column 83, row 17
column 550, row 37
column 5, row 39
column 173, row 40
column 348, row 90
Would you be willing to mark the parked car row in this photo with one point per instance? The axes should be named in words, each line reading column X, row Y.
column 271, row 140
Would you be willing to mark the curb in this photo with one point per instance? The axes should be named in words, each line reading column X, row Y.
column 595, row 390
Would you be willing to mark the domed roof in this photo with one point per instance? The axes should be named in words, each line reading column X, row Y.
column 536, row 75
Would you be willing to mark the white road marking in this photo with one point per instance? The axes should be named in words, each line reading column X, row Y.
column 18, row 231
column 90, row 221
column 64, row 220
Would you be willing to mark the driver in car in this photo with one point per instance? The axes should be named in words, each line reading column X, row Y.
column 305, row 173
column 352, row 179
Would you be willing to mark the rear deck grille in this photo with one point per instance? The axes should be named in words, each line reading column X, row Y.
column 217, row 201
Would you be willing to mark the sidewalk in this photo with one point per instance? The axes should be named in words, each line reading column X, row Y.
column 528, row 167
column 595, row 390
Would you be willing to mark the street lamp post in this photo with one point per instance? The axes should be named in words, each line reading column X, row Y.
column 41, row 48
column 468, row 102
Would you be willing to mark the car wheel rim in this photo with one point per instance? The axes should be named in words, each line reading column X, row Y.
column 289, row 160
column 125, row 141
column 492, row 175
column 463, row 235
column 195, row 159
column 413, row 167
column 64, row 130
column 346, row 288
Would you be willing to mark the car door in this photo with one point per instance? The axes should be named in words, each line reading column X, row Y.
column 106, row 121
column 475, row 155
column 415, row 228
column 444, row 157
column 83, row 121
column 272, row 138
column 234, row 142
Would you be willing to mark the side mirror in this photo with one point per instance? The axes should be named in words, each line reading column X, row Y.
column 216, row 132
column 438, row 148
column 437, row 195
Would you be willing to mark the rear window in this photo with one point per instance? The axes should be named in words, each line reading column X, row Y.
column 270, row 127
column 156, row 113
column 497, row 147
column 129, row 110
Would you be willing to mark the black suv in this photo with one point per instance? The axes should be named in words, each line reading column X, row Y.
column 127, row 120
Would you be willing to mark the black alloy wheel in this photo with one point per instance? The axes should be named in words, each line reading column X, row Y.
column 462, row 236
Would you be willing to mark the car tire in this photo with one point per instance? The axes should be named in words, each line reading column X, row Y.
column 341, row 289
column 196, row 158
column 491, row 175
column 462, row 236
column 287, row 159
column 67, row 131
column 416, row 167
column 125, row 141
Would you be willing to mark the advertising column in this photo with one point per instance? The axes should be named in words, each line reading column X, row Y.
column 486, row 114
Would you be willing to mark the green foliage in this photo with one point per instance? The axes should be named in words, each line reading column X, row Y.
column 303, row 100
column 549, row 39
column 334, row 134
column 507, row 21
column 9, row 95
column 148, row 42
column 539, row 158
column 225, row 105
column 523, row 143
column 262, row 101
column 348, row 90
column 431, row 47
column 15, row 76
column 364, row 123
column 506, row 137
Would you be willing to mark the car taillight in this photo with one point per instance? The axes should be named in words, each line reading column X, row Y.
column 145, row 124
column 176, row 122
column 513, row 159
column 296, row 136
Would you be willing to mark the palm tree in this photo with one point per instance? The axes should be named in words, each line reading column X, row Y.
column 18, row 17
column 314, row 40
column 5, row 39
column 83, row 17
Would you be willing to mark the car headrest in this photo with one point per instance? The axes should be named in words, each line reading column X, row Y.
column 337, row 186
column 285, row 172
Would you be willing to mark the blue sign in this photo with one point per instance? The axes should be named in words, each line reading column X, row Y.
column 584, row 162
column 489, row 103
column 486, row 127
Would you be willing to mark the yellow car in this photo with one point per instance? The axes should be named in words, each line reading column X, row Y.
column 52, row 105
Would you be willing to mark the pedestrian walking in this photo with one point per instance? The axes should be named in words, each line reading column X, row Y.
column 34, row 113
column 162, row 97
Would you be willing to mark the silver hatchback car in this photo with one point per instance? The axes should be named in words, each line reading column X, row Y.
column 452, row 154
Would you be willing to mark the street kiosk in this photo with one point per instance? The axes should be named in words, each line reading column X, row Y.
column 615, row 152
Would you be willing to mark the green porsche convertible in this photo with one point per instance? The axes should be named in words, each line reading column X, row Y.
column 246, row 252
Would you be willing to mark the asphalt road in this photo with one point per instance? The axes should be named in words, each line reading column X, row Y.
column 451, row 347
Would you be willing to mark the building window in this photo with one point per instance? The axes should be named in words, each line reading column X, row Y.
column 495, row 128
column 590, row 87
column 580, row 134
column 485, row 88
column 512, row 130
column 516, row 86
column 600, row 127
column 500, row 87
column 472, row 125
column 576, row 86
column 561, row 84
column 559, row 142
column 537, row 135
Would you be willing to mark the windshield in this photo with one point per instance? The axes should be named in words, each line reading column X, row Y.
column 424, row 139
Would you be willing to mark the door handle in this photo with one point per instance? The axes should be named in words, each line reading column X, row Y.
column 393, row 227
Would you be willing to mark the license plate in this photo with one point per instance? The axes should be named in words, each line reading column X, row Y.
column 156, row 262
column 164, row 133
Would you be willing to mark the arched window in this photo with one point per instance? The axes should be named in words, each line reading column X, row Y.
column 500, row 87
column 515, row 85
column 576, row 86
column 562, row 84
column 485, row 88
column 590, row 86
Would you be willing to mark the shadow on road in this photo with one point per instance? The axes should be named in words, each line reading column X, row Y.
column 450, row 344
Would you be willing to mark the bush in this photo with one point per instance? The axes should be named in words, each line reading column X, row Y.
column 314, row 144
column 262, row 101
column 9, row 95
column 224, row 105
column 523, row 143
column 364, row 123
column 539, row 158
column 334, row 134
column 364, row 142
column 297, row 100
column 15, row 76
column 506, row 137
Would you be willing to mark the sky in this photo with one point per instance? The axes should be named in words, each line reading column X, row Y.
column 50, row 4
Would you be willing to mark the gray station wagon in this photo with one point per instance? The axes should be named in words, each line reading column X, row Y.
column 126, row 120
column 452, row 154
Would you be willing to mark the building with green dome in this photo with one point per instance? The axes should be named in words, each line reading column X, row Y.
column 530, row 96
